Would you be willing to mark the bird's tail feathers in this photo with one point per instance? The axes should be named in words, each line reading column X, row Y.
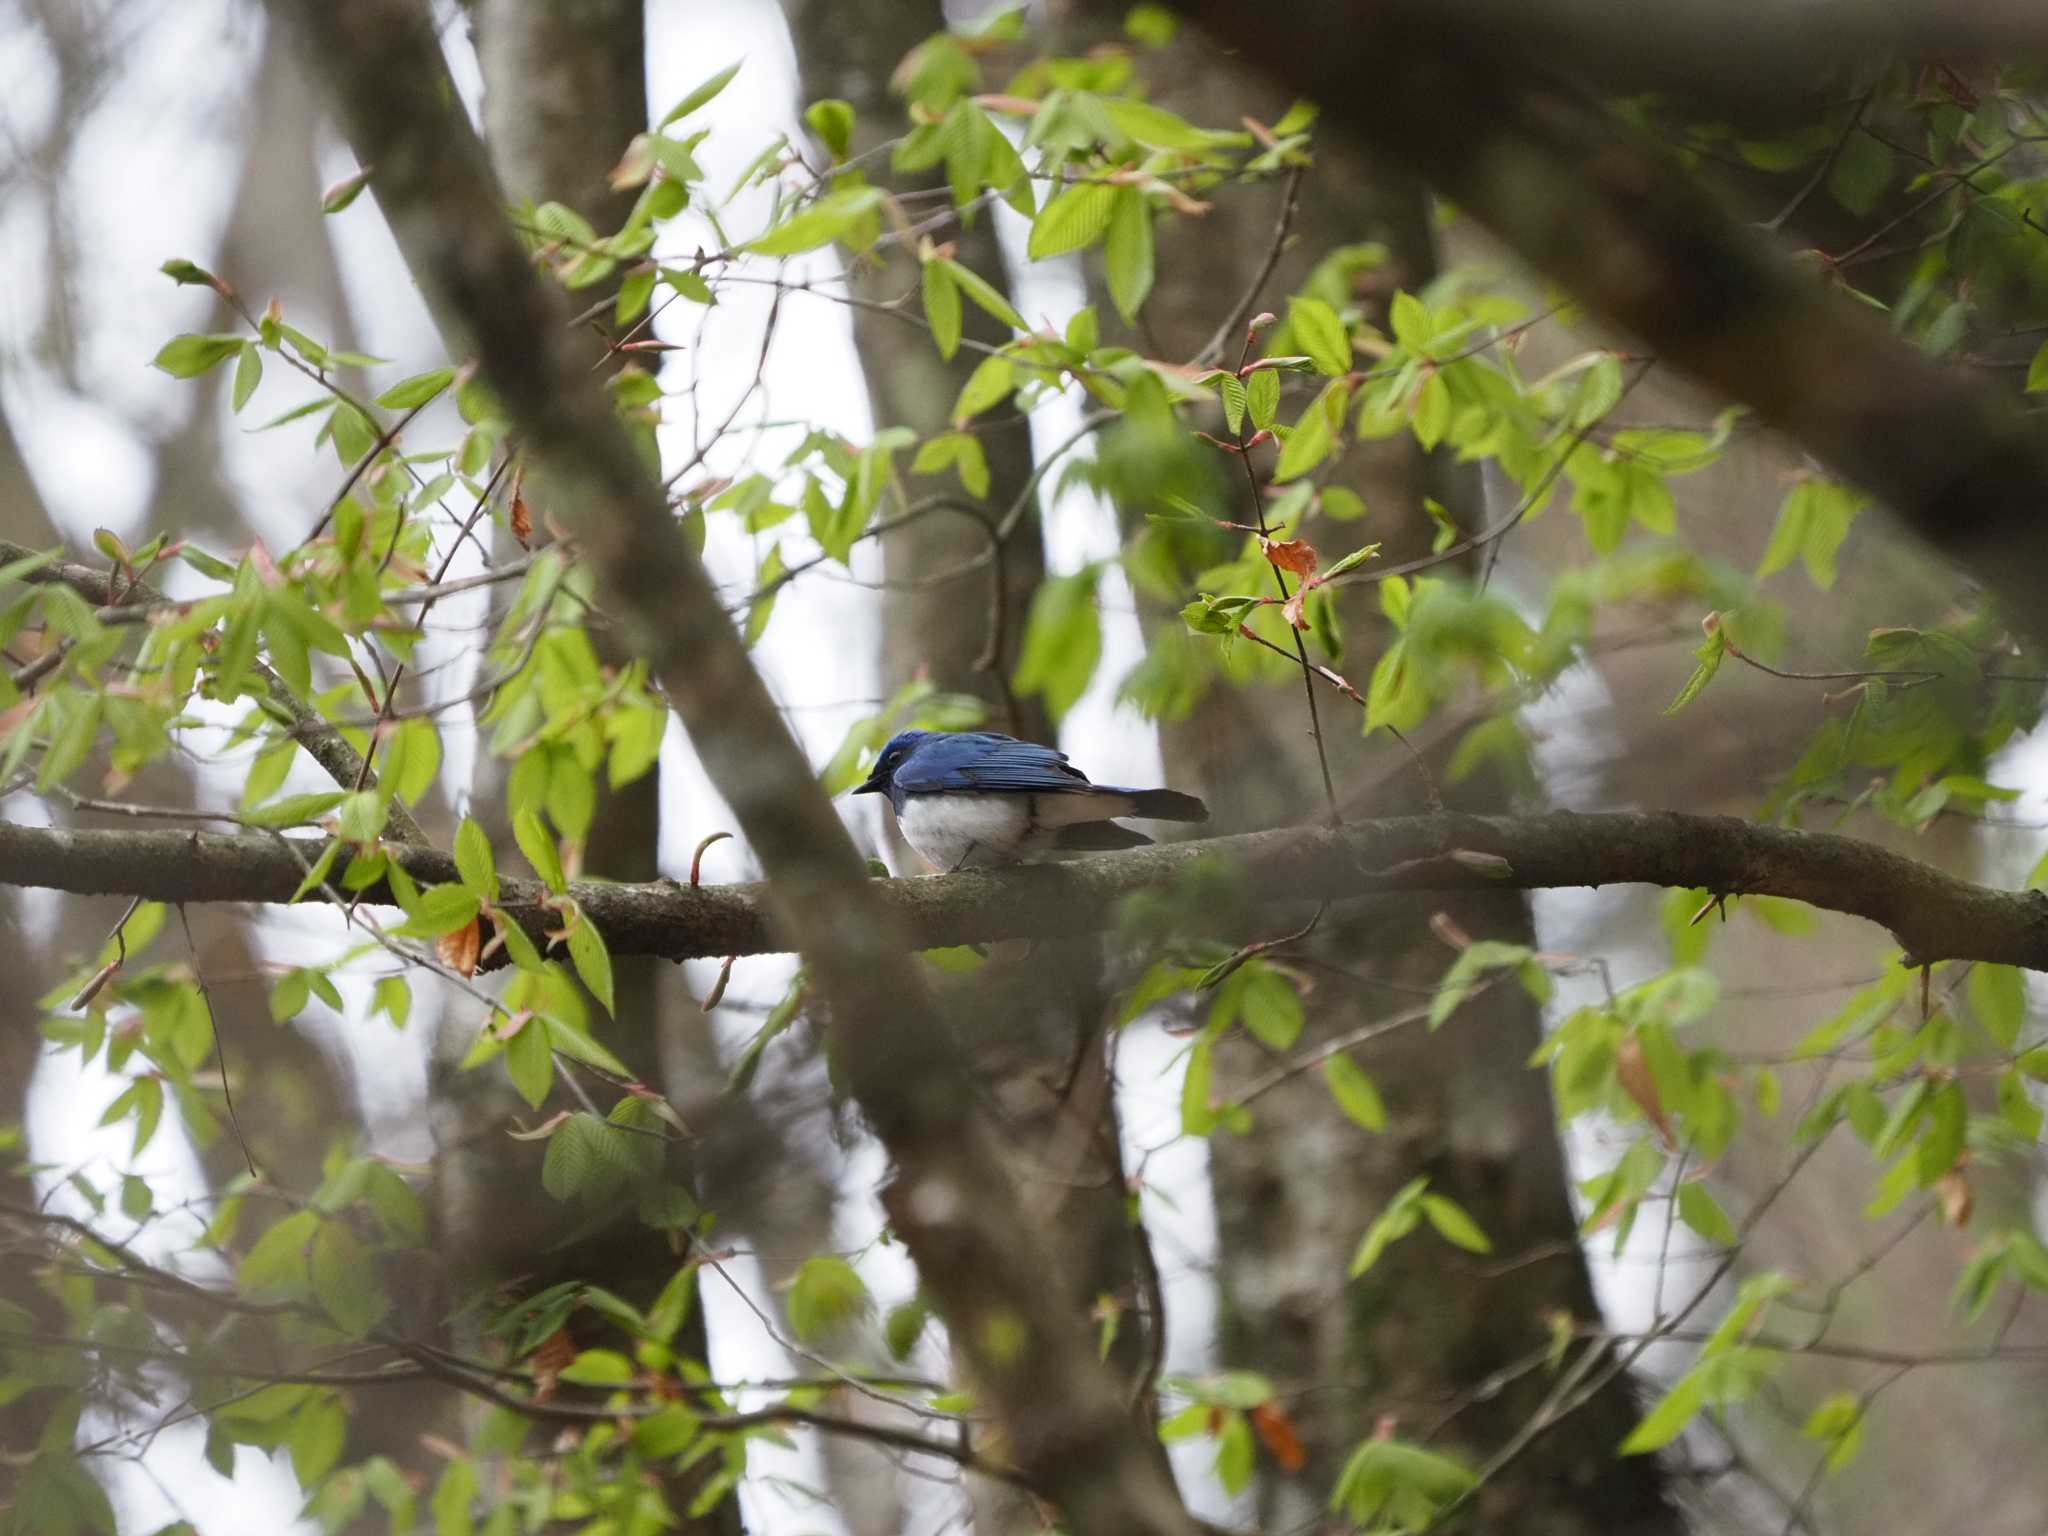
column 1168, row 805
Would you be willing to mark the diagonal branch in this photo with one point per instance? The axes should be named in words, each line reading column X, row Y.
column 1934, row 915
column 951, row 1200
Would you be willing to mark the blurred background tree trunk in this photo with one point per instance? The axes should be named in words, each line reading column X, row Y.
column 1040, row 1051
column 1434, row 1337
column 564, row 93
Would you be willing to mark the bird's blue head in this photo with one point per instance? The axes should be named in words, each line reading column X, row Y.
column 882, row 779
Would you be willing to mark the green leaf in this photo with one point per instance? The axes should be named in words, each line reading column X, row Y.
column 275, row 1266
column 343, row 1280
column 1073, row 220
column 990, row 384
column 832, row 121
column 1698, row 1209
column 702, row 95
column 417, row 390
column 318, row 871
column 294, row 810
column 833, row 215
column 441, row 911
column 1062, row 641
column 963, row 451
column 768, row 581
column 318, row 1433
column 1812, row 523
column 248, row 374
column 1129, row 260
column 592, row 960
column 72, row 742
column 1998, row 1001
column 530, row 1063
column 453, row 1496
column 590, row 1159
column 1315, row 435
column 289, row 997
column 473, row 859
column 1664, row 1423
column 1317, row 331
column 540, row 849
column 1390, row 1226
column 393, row 999
column 985, row 295
column 1708, row 658
column 186, row 357
column 1262, row 393
column 1354, row 1092
column 186, row 273
column 1454, row 1224
column 2037, row 371
column 1862, row 171
column 1409, row 319
column 942, row 308
column 1431, row 416
column 825, row 1294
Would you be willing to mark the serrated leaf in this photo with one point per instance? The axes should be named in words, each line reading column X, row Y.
column 530, row 1063
column 1318, row 331
column 1262, row 394
column 985, row 295
column 942, row 308
column 473, row 859
column 833, row 215
column 1129, row 261
column 592, row 960
column 540, row 850
column 1071, row 221
column 442, row 909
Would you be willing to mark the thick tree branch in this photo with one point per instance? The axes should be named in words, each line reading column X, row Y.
column 951, row 1201
column 1754, row 51
column 1470, row 106
column 1933, row 915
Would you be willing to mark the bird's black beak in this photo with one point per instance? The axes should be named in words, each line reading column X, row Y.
column 874, row 785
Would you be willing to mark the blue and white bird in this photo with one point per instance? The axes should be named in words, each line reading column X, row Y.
column 978, row 799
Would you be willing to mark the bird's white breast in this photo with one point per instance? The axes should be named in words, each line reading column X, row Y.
column 957, row 830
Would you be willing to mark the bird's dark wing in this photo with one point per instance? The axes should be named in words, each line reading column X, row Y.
column 986, row 761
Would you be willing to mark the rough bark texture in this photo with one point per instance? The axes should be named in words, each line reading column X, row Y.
column 951, row 1201
column 1935, row 915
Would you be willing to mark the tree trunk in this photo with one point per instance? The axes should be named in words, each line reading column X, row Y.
column 1041, row 1053
column 1418, row 1335
column 564, row 93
